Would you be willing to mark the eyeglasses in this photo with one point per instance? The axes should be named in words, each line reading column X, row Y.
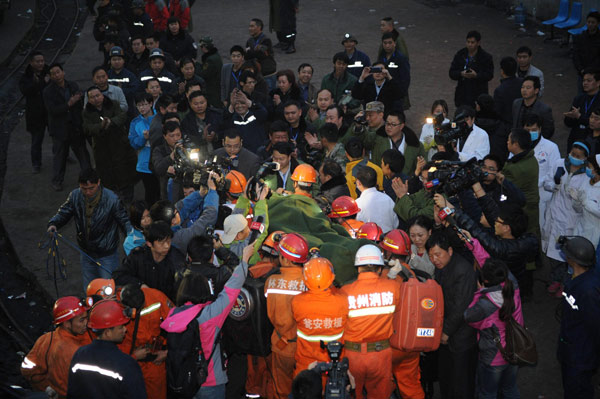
column 392, row 124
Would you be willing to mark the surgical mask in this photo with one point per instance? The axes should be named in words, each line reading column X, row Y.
column 534, row 135
column 589, row 172
column 575, row 162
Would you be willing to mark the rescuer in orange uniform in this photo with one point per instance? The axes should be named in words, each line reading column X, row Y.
column 320, row 313
column 343, row 211
column 280, row 289
column 47, row 364
column 372, row 302
column 405, row 365
column 151, row 308
column 258, row 381
column 305, row 180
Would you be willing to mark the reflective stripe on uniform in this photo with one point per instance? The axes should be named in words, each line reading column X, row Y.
column 372, row 311
column 283, row 292
column 357, row 64
column 96, row 369
column 27, row 364
column 150, row 309
column 122, row 80
column 317, row 338
column 251, row 119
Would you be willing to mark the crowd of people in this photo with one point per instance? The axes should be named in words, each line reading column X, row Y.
column 226, row 152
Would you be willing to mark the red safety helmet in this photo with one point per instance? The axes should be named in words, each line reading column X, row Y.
column 294, row 247
column 238, row 182
column 106, row 314
column 343, row 206
column 271, row 244
column 318, row 274
column 66, row 308
column 397, row 242
column 304, row 173
column 370, row 231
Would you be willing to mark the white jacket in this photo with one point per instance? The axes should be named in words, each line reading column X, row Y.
column 588, row 208
column 560, row 215
column 477, row 145
column 377, row 207
column 546, row 152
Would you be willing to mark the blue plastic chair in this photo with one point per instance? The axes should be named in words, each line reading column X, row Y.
column 581, row 29
column 563, row 14
column 574, row 19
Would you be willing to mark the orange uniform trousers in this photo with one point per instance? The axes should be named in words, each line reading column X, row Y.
column 259, row 381
column 371, row 372
column 405, row 366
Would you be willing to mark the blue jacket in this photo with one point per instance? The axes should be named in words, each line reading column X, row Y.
column 135, row 238
column 209, row 206
column 139, row 143
column 100, row 370
column 102, row 239
column 579, row 340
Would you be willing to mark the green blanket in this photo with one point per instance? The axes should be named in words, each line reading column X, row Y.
column 299, row 214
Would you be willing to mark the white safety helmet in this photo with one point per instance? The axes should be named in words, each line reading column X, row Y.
column 368, row 255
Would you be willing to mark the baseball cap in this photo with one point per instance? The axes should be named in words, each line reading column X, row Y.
column 116, row 51
column 157, row 52
column 375, row 106
column 233, row 224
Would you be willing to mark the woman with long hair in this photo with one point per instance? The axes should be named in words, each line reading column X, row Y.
column 494, row 304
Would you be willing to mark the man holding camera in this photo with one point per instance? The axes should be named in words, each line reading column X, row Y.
column 382, row 87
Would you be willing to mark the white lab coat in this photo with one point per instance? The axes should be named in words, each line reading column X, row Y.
column 560, row 216
column 377, row 207
column 546, row 152
column 477, row 145
column 588, row 208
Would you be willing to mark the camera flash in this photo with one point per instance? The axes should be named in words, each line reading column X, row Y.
column 429, row 120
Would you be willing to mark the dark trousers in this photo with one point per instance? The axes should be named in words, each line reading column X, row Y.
column 456, row 373
column 237, row 372
column 577, row 383
column 151, row 188
column 60, row 151
column 37, row 139
column 287, row 18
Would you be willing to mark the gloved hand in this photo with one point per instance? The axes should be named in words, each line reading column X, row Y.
column 396, row 267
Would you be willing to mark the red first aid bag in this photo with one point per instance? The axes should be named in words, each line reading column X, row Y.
column 419, row 318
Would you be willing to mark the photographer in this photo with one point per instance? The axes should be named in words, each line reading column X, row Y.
column 163, row 159
column 381, row 87
column 208, row 202
column 281, row 181
column 476, row 142
column 201, row 251
column 498, row 187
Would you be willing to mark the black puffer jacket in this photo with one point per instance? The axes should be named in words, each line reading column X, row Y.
column 140, row 268
column 516, row 252
column 32, row 88
column 108, row 217
column 334, row 188
column 459, row 283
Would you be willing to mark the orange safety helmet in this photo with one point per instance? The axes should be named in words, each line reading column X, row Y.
column 104, row 287
column 352, row 226
column 66, row 308
column 318, row 274
column 304, row 173
column 271, row 244
column 397, row 242
column 106, row 314
column 370, row 231
column 294, row 247
column 238, row 182
column 343, row 206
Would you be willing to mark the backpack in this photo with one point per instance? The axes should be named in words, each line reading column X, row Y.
column 187, row 367
column 520, row 347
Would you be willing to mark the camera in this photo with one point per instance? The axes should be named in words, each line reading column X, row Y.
column 376, row 69
column 450, row 177
column 361, row 120
column 210, row 233
column 257, row 180
column 191, row 166
column 336, row 370
column 449, row 132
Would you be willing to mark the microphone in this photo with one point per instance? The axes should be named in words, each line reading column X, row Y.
column 432, row 183
column 257, row 227
column 445, row 214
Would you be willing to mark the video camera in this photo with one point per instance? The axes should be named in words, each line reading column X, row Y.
column 193, row 169
column 256, row 182
column 449, row 132
column 336, row 370
column 452, row 177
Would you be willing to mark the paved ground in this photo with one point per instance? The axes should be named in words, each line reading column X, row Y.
column 433, row 34
column 17, row 21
